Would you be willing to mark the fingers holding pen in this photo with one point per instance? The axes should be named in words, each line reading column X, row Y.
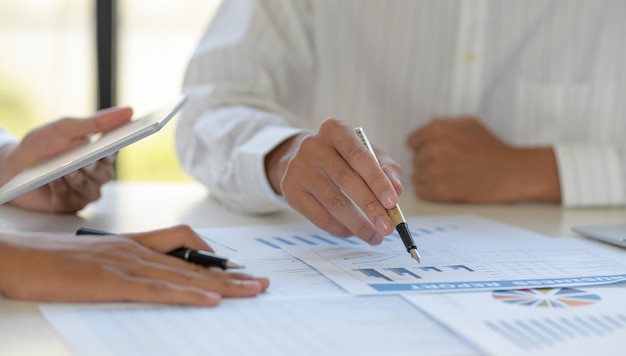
column 122, row 269
column 168, row 239
column 326, row 190
column 307, row 187
column 131, row 268
column 228, row 284
column 392, row 170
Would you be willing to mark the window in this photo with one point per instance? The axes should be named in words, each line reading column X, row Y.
column 48, row 67
column 156, row 40
column 46, row 62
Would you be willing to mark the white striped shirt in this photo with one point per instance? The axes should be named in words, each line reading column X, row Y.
column 536, row 72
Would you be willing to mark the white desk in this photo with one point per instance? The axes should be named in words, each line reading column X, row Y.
column 128, row 207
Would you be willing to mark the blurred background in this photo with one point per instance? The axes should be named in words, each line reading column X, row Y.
column 49, row 66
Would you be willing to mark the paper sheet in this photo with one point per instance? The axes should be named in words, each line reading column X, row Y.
column 459, row 253
column 550, row 321
column 342, row 325
column 307, row 310
column 289, row 276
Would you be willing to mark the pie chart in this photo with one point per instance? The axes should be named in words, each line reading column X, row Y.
column 547, row 297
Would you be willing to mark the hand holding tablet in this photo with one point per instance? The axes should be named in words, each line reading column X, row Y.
column 95, row 147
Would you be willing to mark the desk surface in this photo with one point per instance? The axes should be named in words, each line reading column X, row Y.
column 129, row 207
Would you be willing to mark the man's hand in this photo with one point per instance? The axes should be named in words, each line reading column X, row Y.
column 116, row 268
column 460, row 160
column 323, row 175
column 74, row 191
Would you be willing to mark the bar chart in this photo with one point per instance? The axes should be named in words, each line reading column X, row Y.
column 540, row 333
column 542, row 321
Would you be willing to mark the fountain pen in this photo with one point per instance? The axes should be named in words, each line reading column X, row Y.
column 203, row 258
column 394, row 213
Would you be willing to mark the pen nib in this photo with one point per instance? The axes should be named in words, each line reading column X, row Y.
column 231, row 263
column 415, row 255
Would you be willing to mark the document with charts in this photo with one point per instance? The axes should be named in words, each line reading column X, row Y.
column 459, row 253
column 343, row 294
column 302, row 313
column 543, row 321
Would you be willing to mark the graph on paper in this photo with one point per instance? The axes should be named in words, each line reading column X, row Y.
column 581, row 320
column 459, row 253
column 544, row 332
column 547, row 297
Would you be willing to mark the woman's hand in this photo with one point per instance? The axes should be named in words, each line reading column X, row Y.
column 116, row 268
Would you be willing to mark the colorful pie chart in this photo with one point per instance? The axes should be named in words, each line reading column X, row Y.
column 547, row 297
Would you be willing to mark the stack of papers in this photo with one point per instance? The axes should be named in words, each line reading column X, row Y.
column 482, row 287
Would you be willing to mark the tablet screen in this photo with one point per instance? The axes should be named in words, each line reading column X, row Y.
column 99, row 146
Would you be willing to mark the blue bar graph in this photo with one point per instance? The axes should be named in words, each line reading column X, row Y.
column 279, row 242
column 326, row 240
column 400, row 271
column 371, row 272
column 459, row 267
column 285, row 241
column 265, row 242
column 302, row 239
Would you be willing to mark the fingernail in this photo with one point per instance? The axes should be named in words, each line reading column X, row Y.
column 376, row 240
column 384, row 224
column 265, row 282
column 396, row 179
column 248, row 284
column 388, row 199
column 212, row 298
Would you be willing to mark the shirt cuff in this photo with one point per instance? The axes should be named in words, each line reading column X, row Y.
column 250, row 165
column 589, row 175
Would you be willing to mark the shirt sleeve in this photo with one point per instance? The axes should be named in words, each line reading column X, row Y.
column 591, row 175
column 237, row 84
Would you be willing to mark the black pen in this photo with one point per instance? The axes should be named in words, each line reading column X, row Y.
column 394, row 213
column 203, row 258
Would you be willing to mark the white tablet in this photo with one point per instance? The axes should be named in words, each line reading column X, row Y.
column 99, row 146
column 613, row 234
